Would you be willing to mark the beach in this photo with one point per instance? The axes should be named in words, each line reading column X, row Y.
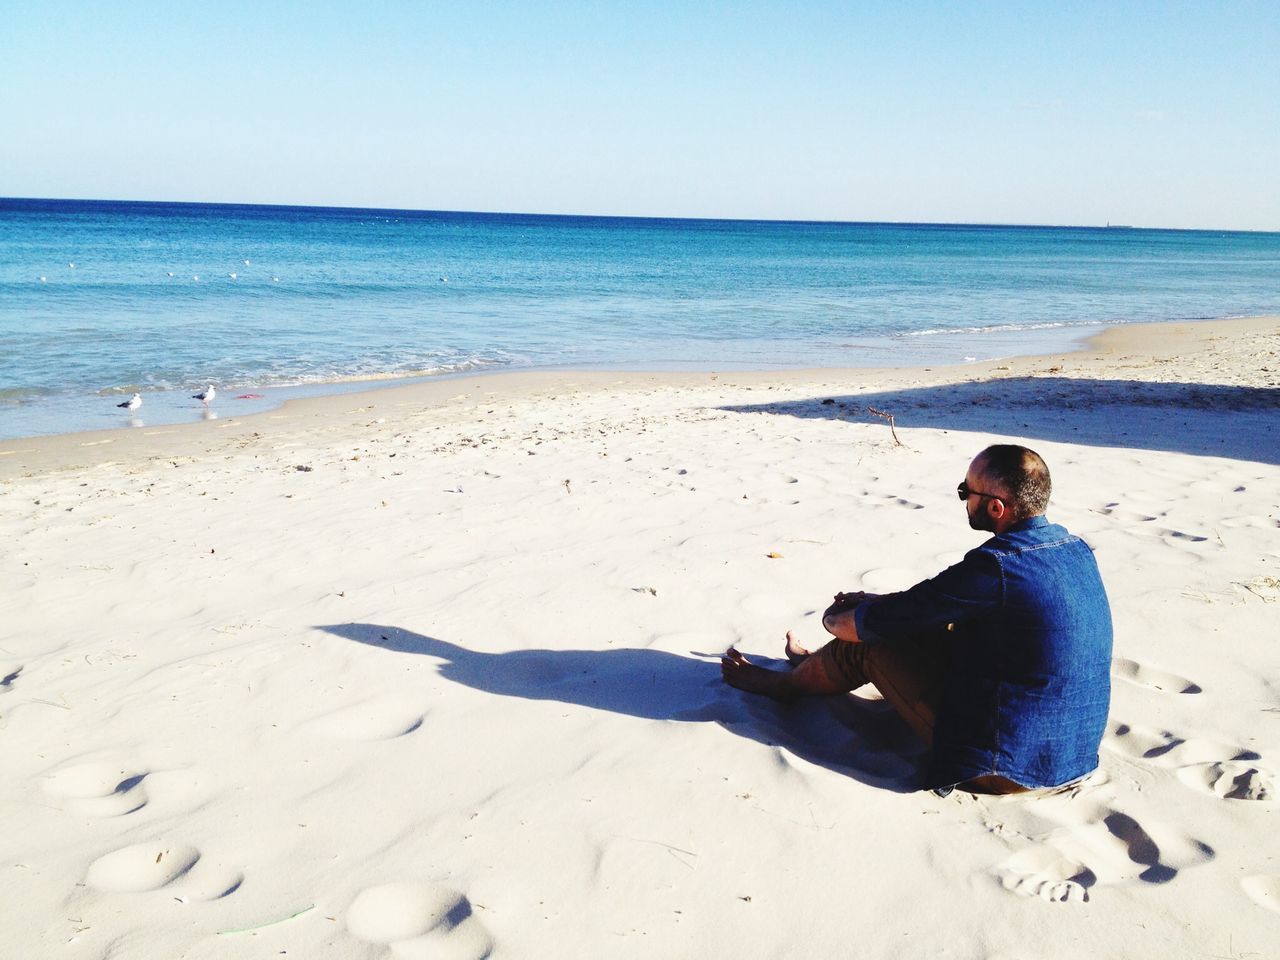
column 433, row 670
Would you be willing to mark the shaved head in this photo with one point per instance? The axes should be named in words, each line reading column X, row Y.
column 1018, row 475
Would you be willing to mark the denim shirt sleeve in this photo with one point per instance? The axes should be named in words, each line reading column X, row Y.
column 968, row 589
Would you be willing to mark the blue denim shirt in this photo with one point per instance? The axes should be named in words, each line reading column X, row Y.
column 1029, row 676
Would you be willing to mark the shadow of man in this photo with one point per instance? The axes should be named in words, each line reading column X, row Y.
column 851, row 736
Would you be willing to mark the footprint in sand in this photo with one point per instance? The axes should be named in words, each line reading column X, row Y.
column 1151, row 678
column 889, row 500
column 419, row 920
column 1166, row 748
column 1178, row 536
column 1045, row 873
column 1116, row 512
column 1106, row 849
column 1263, row 890
column 104, row 787
column 207, row 881
column 141, row 867
column 1208, row 766
column 379, row 719
column 1141, row 743
column 1231, row 780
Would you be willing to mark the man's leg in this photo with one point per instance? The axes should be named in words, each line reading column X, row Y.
column 909, row 677
column 907, row 673
column 830, row 670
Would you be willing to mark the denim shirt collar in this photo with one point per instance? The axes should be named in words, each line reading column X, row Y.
column 1029, row 524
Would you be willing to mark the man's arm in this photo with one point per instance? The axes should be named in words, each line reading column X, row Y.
column 961, row 592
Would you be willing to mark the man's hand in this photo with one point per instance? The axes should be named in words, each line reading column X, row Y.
column 843, row 602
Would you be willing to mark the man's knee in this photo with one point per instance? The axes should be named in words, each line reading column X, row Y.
column 842, row 662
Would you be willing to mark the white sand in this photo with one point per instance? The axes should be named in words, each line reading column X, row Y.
column 453, row 688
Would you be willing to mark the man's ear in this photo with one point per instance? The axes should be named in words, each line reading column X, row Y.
column 996, row 507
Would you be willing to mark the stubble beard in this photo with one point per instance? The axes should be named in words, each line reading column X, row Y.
column 978, row 520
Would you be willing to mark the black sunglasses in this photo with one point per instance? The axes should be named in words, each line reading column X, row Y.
column 963, row 491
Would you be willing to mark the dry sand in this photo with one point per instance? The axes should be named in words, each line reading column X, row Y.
column 432, row 671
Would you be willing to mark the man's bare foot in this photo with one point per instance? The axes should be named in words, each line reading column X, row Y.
column 796, row 654
column 740, row 672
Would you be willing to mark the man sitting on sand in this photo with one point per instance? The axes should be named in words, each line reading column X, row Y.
column 1000, row 663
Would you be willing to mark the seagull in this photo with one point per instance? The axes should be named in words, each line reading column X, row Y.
column 246, row 263
column 207, row 396
column 232, row 275
column 133, row 403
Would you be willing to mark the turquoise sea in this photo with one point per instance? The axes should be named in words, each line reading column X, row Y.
column 102, row 299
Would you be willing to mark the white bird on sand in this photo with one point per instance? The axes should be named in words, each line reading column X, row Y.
column 207, row 396
column 133, row 403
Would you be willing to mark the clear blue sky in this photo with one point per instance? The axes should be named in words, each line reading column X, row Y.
column 1152, row 114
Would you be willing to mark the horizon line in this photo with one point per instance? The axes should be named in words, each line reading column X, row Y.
column 612, row 216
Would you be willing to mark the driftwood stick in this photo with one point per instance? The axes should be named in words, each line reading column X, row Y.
column 887, row 416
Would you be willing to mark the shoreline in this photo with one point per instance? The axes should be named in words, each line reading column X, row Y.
column 95, row 412
column 1121, row 348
